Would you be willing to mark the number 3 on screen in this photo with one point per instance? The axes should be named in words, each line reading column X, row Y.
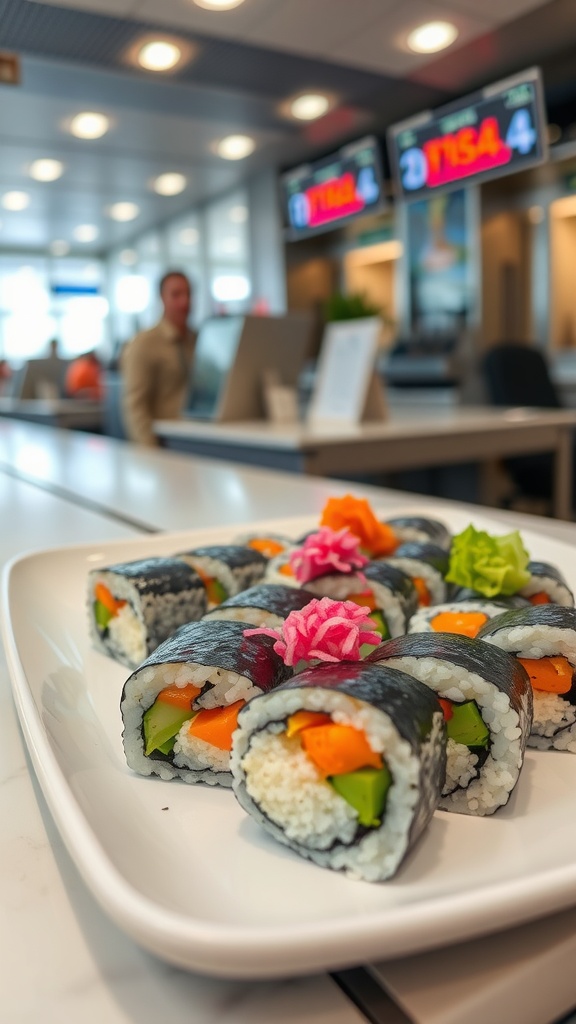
column 414, row 168
column 521, row 135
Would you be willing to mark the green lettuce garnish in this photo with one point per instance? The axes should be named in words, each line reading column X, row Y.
column 490, row 565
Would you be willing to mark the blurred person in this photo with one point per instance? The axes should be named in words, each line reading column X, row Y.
column 84, row 378
column 5, row 376
column 156, row 364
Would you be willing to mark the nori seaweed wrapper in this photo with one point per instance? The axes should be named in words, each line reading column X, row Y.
column 498, row 667
column 222, row 644
column 430, row 554
column 555, row 616
column 235, row 556
column 269, row 597
column 435, row 531
column 157, row 576
column 547, row 571
column 458, row 593
column 395, row 580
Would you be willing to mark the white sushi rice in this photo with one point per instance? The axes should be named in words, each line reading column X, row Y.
column 536, row 642
column 460, row 767
column 340, row 587
column 274, row 575
column 146, row 619
column 492, row 787
column 251, row 615
column 553, row 727
column 421, row 622
column 195, row 760
column 557, row 593
column 432, row 578
column 276, row 782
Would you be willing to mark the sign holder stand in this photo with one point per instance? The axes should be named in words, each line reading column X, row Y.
column 348, row 390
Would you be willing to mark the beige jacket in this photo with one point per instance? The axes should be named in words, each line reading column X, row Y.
column 155, row 368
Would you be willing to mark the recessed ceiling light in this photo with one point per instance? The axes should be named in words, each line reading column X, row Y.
column 170, row 184
column 159, row 55
column 15, row 201
column 238, row 214
column 432, row 36
column 309, row 106
column 123, row 211
column 128, row 257
column 89, row 125
column 189, row 236
column 85, row 233
column 46, row 170
column 235, row 147
column 59, row 247
column 218, row 5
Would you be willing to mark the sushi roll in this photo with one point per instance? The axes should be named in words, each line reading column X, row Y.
column 426, row 565
column 134, row 606
column 279, row 570
column 263, row 605
column 179, row 708
column 226, row 569
column 487, row 701
column 543, row 638
column 387, row 591
column 268, row 544
column 345, row 765
column 465, row 618
column 422, row 530
column 547, row 586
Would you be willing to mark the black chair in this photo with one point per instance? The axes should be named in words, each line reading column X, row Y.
column 517, row 375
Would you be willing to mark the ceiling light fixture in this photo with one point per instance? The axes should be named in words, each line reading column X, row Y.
column 89, row 125
column 235, row 147
column 309, row 106
column 123, row 212
column 189, row 236
column 86, row 233
column 128, row 257
column 46, row 169
column 15, row 201
column 432, row 36
column 218, row 5
column 59, row 247
column 238, row 214
column 170, row 184
column 159, row 55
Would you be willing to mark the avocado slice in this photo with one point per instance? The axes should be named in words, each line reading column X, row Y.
column 366, row 791
column 162, row 722
column 216, row 591
column 102, row 614
column 467, row 725
column 380, row 624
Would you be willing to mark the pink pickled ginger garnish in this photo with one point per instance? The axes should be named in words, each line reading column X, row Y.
column 327, row 551
column 324, row 630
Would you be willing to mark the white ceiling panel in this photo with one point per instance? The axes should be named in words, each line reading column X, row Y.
column 383, row 47
column 317, row 27
column 500, row 10
column 119, row 8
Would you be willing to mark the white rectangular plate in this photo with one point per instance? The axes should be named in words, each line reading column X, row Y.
column 189, row 876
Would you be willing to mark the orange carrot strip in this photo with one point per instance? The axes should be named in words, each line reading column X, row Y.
column 446, row 708
column 463, row 623
column 216, row 725
column 554, row 675
column 266, row 546
column 286, row 569
column 424, row 597
column 366, row 600
column 180, row 696
column 305, row 720
column 336, row 749
column 106, row 598
column 540, row 598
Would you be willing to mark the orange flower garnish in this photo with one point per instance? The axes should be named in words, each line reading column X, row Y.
column 376, row 539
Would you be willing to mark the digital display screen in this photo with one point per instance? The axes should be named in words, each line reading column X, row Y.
column 491, row 133
column 321, row 195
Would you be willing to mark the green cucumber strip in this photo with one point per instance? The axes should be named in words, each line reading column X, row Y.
column 162, row 722
column 366, row 791
column 467, row 725
column 102, row 615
